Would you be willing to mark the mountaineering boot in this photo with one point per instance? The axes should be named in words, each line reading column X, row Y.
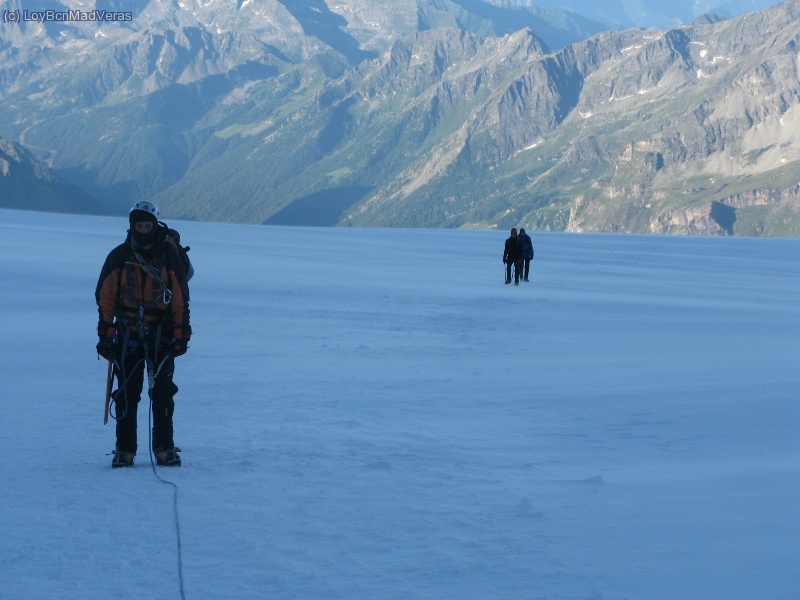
column 168, row 457
column 122, row 459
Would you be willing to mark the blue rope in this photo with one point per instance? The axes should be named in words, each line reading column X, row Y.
column 151, row 378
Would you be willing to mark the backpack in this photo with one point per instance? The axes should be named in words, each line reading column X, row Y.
column 174, row 238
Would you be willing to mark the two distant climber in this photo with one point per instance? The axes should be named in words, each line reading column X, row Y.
column 518, row 253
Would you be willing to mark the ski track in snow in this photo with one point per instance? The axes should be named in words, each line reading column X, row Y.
column 372, row 414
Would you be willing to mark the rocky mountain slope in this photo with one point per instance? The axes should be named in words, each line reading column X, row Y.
column 27, row 184
column 416, row 113
column 692, row 130
column 122, row 107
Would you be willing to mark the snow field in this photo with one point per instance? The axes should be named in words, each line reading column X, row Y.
column 373, row 414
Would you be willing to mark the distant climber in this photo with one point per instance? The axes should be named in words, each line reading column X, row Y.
column 512, row 255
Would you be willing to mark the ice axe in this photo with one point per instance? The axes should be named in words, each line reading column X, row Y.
column 109, row 381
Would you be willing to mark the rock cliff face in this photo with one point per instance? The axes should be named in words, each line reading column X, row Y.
column 714, row 119
column 416, row 113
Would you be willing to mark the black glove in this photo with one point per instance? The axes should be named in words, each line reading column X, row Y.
column 181, row 334
column 107, row 346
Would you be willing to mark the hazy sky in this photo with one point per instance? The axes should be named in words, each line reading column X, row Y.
column 652, row 13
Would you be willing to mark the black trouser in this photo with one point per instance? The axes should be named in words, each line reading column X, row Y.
column 526, row 267
column 517, row 268
column 126, row 399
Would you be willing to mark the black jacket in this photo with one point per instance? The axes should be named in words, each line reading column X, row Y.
column 513, row 250
column 527, row 245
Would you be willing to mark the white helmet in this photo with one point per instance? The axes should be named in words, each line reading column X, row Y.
column 148, row 207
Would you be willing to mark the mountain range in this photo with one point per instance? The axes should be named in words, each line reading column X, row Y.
column 416, row 113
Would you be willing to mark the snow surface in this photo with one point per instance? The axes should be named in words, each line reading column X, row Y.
column 373, row 414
